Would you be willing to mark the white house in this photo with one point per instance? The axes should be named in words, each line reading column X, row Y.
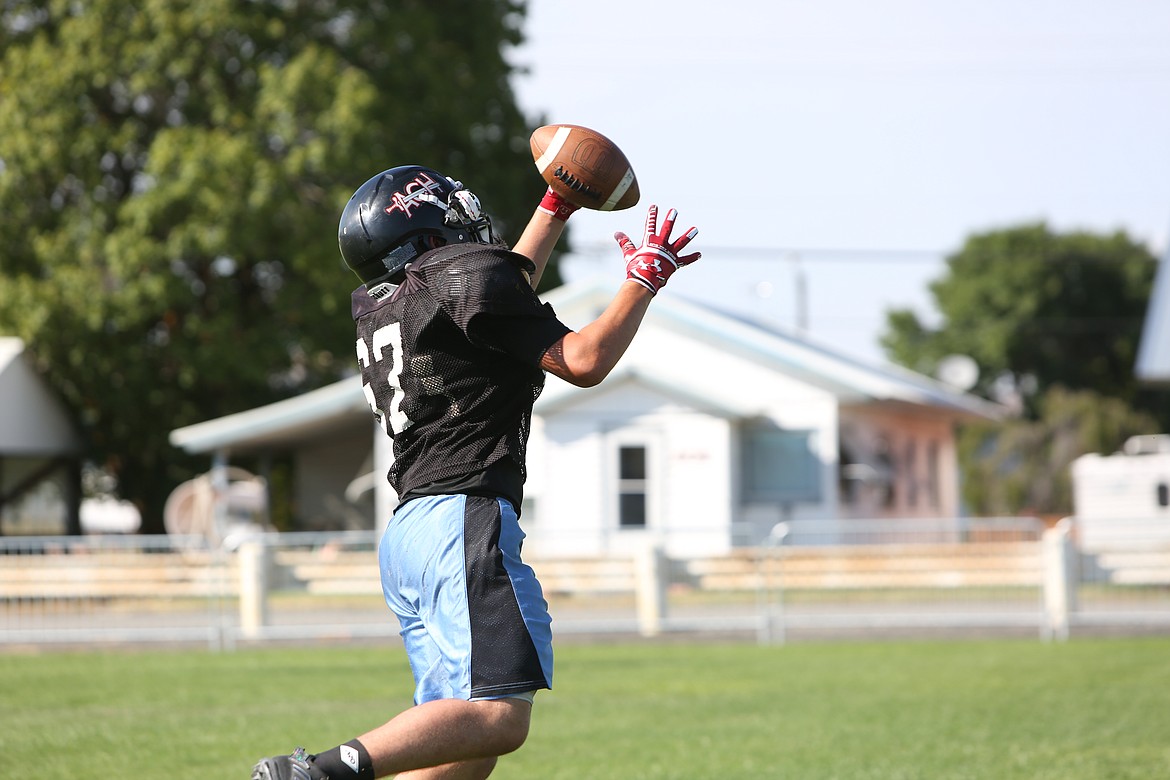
column 714, row 428
column 711, row 430
column 40, row 450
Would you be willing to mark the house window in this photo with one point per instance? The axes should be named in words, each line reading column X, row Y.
column 911, row 473
column 632, row 487
column 779, row 465
column 887, row 472
column 933, row 468
column 850, row 474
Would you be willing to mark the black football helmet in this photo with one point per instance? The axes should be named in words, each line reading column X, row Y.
column 401, row 213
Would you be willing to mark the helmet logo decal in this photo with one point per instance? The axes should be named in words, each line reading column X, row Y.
column 417, row 191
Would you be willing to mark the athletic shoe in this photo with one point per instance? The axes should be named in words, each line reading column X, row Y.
column 298, row 766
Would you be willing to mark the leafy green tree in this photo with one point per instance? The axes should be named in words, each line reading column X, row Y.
column 1053, row 322
column 171, row 175
column 1037, row 308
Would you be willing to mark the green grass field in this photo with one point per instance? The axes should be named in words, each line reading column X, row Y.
column 1085, row 710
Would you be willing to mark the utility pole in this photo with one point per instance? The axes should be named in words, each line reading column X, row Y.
column 801, row 287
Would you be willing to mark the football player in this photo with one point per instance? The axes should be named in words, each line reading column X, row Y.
column 453, row 345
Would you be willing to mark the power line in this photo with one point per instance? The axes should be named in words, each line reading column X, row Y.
column 829, row 254
column 772, row 252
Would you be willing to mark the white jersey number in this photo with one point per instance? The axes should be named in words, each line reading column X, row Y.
column 393, row 419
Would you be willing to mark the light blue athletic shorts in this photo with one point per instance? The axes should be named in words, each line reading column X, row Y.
column 473, row 617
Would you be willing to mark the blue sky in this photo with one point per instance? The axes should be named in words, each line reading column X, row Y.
column 848, row 145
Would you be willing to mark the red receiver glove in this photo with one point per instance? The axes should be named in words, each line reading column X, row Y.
column 651, row 264
column 556, row 206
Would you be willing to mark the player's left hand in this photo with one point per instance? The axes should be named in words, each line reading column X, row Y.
column 652, row 264
column 556, row 206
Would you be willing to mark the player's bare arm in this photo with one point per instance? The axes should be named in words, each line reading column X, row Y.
column 586, row 357
column 543, row 231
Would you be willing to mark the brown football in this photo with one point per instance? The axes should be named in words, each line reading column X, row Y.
column 584, row 167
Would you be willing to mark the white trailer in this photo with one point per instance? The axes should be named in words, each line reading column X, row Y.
column 1125, row 496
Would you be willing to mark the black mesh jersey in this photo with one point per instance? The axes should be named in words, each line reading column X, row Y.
column 451, row 367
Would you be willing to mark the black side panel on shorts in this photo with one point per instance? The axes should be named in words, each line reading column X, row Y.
column 503, row 658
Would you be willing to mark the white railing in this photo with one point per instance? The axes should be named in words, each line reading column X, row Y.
column 1122, row 571
column 876, row 576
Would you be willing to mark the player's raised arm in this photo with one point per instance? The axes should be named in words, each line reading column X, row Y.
column 586, row 357
column 543, row 231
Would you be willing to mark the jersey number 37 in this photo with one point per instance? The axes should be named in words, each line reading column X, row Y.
column 384, row 355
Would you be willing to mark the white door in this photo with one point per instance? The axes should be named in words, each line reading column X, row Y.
column 634, row 480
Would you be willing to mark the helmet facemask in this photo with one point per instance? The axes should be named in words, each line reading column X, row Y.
column 464, row 210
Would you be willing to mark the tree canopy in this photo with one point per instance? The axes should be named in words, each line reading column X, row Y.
column 1040, row 307
column 171, row 175
column 1053, row 321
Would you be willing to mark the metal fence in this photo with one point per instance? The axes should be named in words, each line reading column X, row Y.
column 1123, row 577
column 863, row 578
